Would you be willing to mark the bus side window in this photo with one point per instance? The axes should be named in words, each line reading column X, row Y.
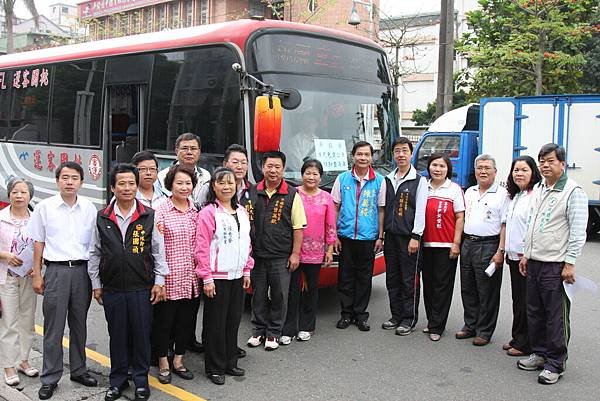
column 23, row 107
column 76, row 103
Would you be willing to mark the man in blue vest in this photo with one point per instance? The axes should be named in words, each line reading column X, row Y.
column 360, row 204
column 405, row 202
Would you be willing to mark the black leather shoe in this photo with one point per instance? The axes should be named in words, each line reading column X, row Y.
column 390, row 324
column 217, row 379
column 363, row 325
column 142, row 393
column 46, row 391
column 183, row 372
column 114, row 393
column 241, row 353
column 196, row 346
column 235, row 371
column 343, row 323
column 86, row 379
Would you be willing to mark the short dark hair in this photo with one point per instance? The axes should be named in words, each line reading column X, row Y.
column 143, row 156
column 178, row 168
column 561, row 153
column 273, row 154
column 71, row 165
column 443, row 156
column 123, row 168
column 235, row 148
column 361, row 144
column 188, row 136
column 401, row 140
column 312, row 163
column 218, row 174
column 512, row 188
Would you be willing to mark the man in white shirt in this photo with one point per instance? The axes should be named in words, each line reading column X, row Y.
column 188, row 150
column 61, row 227
column 485, row 203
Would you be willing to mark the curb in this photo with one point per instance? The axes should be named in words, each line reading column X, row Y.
column 12, row 394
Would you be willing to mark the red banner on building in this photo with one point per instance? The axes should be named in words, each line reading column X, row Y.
column 98, row 8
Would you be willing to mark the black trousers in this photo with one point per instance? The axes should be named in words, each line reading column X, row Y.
column 195, row 322
column 439, row 272
column 548, row 309
column 302, row 305
column 480, row 293
column 518, row 285
column 402, row 272
column 355, row 274
column 221, row 321
column 128, row 314
column 173, row 317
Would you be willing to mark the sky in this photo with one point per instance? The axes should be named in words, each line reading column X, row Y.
column 41, row 5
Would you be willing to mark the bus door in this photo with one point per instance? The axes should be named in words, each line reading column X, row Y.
column 125, row 120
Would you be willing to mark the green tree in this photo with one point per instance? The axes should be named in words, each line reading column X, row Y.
column 591, row 72
column 9, row 16
column 526, row 47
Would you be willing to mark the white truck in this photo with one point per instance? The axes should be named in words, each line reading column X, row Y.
column 508, row 127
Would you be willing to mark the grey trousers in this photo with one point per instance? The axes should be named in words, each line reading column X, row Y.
column 269, row 277
column 67, row 297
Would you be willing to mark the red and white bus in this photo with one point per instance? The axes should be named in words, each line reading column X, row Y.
column 98, row 103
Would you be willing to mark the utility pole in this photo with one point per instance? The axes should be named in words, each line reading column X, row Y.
column 445, row 84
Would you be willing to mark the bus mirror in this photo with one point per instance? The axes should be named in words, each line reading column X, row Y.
column 267, row 123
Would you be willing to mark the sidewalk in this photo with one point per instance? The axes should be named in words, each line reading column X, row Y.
column 66, row 391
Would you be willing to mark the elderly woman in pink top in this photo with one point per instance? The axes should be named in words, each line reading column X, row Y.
column 223, row 263
column 317, row 250
column 17, row 298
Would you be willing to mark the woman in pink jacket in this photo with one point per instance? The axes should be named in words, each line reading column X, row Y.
column 223, row 263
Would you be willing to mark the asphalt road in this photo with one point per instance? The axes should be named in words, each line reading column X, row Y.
column 378, row 365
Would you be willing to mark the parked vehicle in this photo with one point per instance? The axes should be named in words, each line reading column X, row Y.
column 512, row 126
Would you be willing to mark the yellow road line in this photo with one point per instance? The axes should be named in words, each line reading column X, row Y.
column 103, row 360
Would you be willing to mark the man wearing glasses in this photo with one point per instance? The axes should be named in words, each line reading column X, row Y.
column 149, row 191
column 188, row 149
column 482, row 246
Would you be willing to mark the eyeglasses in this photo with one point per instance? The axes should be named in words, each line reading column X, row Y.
column 484, row 168
column 147, row 170
column 238, row 162
column 189, row 148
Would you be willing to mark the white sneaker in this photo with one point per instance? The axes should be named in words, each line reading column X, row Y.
column 303, row 335
column 285, row 340
column 547, row 377
column 271, row 344
column 532, row 362
column 255, row 341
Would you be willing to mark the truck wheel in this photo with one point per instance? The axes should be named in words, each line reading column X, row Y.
column 593, row 227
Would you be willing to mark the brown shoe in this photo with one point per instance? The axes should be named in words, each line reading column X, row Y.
column 506, row 346
column 463, row 334
column 480, row 341
column 515, row 352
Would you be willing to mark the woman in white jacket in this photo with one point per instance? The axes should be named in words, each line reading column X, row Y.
column 223, row 263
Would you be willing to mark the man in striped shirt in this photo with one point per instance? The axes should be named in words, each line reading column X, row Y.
column 555, row 236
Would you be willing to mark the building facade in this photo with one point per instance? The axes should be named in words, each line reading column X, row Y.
column 113, row 18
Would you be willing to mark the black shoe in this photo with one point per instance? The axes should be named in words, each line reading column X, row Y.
column 235, row 372
column 241, row 353
column 390, row 324
column 363, row 325
column 46, row 391
column 114, row 393
column 217, row 379
column 183, row 372
column 86, row 379
column 164, row 376
column 196, row 346
column 343, row 323
column 142, row 393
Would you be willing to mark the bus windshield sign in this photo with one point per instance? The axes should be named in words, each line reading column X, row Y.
column 26, row 78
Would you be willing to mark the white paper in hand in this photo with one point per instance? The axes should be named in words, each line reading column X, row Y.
column 582, row 283
column 491, row 269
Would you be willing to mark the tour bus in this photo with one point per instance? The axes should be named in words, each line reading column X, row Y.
column 98, row 103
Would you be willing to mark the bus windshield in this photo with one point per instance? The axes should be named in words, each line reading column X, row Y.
column 346, row 98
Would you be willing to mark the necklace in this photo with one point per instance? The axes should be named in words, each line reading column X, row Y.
column 19, row 221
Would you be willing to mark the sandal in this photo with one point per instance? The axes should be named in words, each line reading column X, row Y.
column 11, row 380
column 183, row 372
column 164, row 376
column 29, row 372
